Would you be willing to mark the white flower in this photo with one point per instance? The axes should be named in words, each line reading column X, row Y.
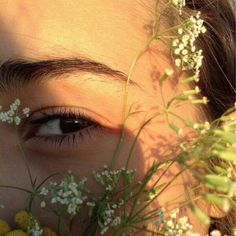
column 43, row 204
column 12, row 115
column 26, row 111
column 175, row 225
column 34, row 229
column 17, row 120
column 179, row 4
column 44, row 191
column 183, row 46
column 116, row 221
column 67, row 193
column 91, row 204
column 173, row 213
column 215, row 233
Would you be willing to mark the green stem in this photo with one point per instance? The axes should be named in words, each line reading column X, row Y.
column 17, row 188
column 136, row 137
column 58, row 225
column 46, row 179
column 145, row 230
column 147, row 177
column 24, row 158
column 163, row 189
column 125, row 100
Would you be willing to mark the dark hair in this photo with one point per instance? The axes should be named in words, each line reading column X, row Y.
column 218, row 81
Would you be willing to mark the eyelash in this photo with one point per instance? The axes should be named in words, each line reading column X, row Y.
column 71, row 138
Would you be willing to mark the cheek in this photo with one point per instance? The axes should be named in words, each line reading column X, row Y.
column 90, row 156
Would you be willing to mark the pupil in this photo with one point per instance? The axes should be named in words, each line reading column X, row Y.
column 69, row 125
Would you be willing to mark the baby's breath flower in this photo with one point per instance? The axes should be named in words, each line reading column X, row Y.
column 44, row 191
column 11, row 116
column 34, row 229
column 116, row 221
column 174, row 225
column 91, row 204
column 184, row 50
column 43, row 204
column 179, row 4
column 174, row 213
column 26, row 111
column 215, row 233
column 107, row 212
column 110, row 178
column 178, row 226
column 17, row 120
column 160, row 220
column 68, row 193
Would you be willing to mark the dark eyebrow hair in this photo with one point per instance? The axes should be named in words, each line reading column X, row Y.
column 18, row 73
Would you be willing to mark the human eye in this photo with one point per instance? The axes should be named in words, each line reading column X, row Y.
column 59, row 127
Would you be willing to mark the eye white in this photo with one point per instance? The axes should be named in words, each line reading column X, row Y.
column 52, row 127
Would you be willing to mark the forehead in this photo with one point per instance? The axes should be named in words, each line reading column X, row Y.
column 109, row 31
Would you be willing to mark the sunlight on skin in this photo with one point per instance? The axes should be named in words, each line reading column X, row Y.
column 110, row 32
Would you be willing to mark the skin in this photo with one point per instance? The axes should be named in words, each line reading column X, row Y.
column 108, row 32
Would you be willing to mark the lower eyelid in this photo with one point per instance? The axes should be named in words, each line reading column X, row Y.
column 63, row 143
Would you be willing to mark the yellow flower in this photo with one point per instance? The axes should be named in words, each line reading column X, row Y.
column 48, row 232
column 23, row 219
column 17, row 233
column 4, row 227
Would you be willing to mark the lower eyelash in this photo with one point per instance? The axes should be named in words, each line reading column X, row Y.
column 71, row 140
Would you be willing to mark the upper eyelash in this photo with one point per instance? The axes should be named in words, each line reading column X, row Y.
column 58, row 112
column 65, row 112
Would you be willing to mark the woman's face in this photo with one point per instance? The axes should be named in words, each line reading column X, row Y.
column 111, row 33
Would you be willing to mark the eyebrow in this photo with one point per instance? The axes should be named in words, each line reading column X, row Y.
column 18, row 73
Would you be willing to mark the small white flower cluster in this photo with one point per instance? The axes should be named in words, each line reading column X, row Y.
column 160, row 212
column 108, row 218
column 11, row 116
column 178, row 226
column 202, row 128
column 34, row 229
column 179, row 4
column 68, row 193
column 215, row 233
column 109, row 178
column 187, row 57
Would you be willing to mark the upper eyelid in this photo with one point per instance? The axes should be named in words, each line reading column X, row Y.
column 79, row 111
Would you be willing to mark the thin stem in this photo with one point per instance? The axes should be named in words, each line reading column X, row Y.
column 167, row 185
column 148, row 176
column 118, row 146
column 46, row 179
column 24, row 158
column 145, row 230
column 125, row 100
column 58, row 225
column 17, row 188
column 136, row 137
